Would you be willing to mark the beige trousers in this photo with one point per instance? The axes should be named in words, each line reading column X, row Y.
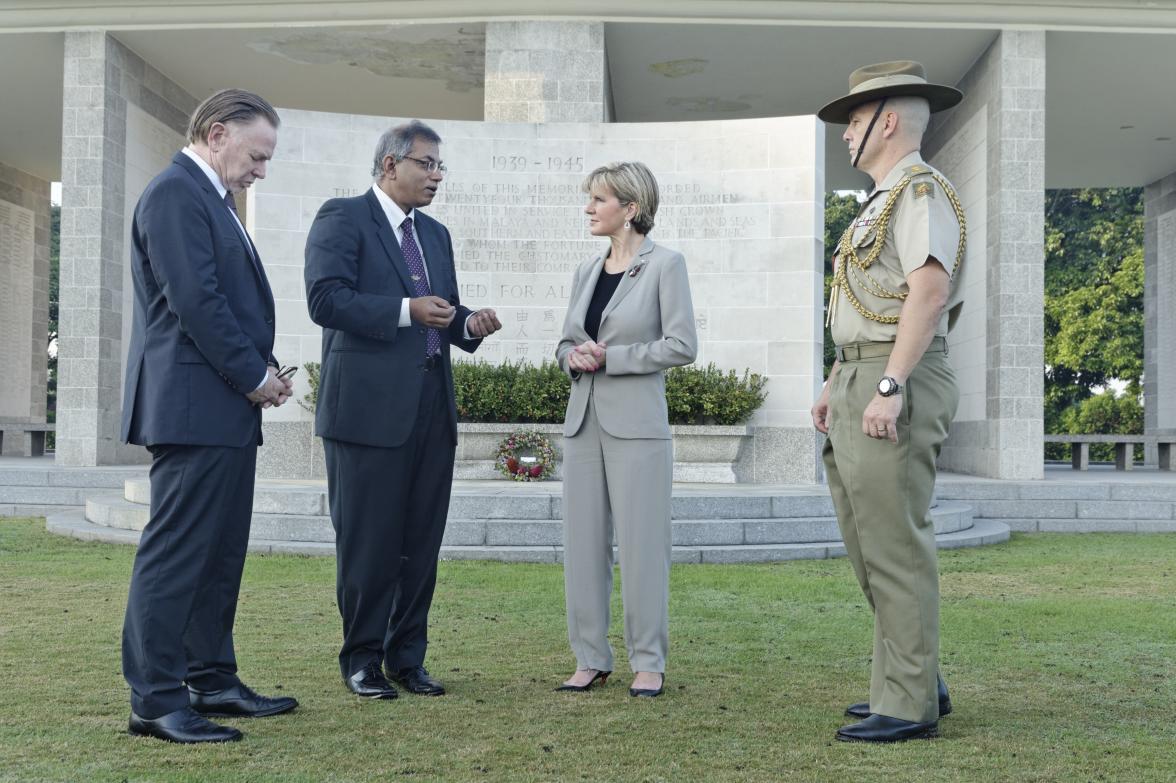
column 882, row 493
column 620, row 484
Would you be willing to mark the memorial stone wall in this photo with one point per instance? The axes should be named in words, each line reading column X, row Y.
column 743, row 200
column 16, row 308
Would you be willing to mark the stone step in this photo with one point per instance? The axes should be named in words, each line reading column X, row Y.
column 983, row 532
column 113, row 511
column 542, row 500
column 706, row 472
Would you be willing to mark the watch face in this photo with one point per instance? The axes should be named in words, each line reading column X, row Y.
column 887, row 386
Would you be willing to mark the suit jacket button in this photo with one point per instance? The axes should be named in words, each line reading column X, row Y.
column 420, row 331
column 269, row 322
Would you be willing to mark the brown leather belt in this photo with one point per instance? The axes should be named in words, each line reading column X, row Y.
column 857, row 351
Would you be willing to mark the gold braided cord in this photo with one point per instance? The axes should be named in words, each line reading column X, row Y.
column 851, row 264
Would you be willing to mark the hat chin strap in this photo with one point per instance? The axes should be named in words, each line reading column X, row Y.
column 869, row 130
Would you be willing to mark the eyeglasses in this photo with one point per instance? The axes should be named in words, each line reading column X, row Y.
column 429, row 165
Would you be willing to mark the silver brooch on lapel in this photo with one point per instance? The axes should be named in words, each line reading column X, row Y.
column 635, row 269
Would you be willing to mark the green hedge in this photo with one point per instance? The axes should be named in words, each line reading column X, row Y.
column 527, row 394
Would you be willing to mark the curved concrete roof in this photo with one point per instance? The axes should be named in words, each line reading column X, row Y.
column 1109, row 73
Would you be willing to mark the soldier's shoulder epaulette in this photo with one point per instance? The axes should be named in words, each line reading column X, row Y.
column 916, row 170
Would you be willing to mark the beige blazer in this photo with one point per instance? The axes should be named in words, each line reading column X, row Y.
column 647, row 326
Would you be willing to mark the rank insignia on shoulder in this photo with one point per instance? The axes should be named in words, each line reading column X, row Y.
column 923, row 189
column 916, row 169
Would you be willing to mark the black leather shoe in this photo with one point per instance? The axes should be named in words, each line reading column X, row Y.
column 883, row 728
column 650, row 692
column 238, row 701
column 862, row 708
column 415, row 679
column 370, row 683
column 600, row 676
column 185, row 726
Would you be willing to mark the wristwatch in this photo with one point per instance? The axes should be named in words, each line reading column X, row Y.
column 888, row 387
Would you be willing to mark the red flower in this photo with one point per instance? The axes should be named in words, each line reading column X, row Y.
column 512, row 464
column 536, row 471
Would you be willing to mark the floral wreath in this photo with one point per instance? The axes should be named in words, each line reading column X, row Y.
column 525, row 455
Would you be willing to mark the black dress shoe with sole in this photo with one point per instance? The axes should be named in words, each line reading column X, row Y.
column 415, row 679
column 370, row 683
column 883, row 728
column 185, row 726
column 240, row 701
column 600, row 676
column 862, row 708
column 649, row 693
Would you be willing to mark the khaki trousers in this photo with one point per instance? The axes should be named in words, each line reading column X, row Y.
column 623, row 484
column 882, row 494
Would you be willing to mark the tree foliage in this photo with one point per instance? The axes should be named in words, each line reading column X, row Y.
column 840, row 210
column 1093, row 310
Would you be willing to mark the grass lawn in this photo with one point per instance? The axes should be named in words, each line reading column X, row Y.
column 1060, row 651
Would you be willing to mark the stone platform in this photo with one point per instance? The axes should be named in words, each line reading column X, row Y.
column 498, row 520
column 712, row 522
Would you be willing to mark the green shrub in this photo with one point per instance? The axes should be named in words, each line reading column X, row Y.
column 310, row 399
column 1104, row 414
column 529, row 394
column 708, row 395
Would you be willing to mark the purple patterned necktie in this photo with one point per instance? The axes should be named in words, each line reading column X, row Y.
column 416, row 268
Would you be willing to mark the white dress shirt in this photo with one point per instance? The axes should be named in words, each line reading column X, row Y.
column 221, row 190
column 396, row 216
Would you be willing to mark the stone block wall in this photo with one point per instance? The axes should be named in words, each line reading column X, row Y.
column 24, row 299
column 545, row 72
column 1008, row 81
column 741, row 199
column 1159, row 306
column 102, row 78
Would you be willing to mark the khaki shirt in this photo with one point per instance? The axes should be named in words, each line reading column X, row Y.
column 922, row 224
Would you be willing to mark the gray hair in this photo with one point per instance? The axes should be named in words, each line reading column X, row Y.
column 397, row 142
column 915, row 114
column 632, row 183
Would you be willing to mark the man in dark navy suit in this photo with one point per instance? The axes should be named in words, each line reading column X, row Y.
column 199, row 370
column 381, row 282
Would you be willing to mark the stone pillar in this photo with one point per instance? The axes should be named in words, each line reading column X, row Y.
column 998, row 347
column 546, row 72
column 24, row 301
column 1159, row 307
column 102, row 80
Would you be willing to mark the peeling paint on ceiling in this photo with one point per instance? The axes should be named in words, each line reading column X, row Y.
column 713, row 105
column 459, row 59
column 674, row 69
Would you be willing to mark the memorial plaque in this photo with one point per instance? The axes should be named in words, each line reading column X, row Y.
column 17, row 233
column 743, row 200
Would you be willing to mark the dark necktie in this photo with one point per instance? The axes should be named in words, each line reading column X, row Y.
column 232, row 205
column 420, row 281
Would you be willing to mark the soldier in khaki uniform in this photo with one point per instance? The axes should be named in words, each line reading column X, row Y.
column 891, row 395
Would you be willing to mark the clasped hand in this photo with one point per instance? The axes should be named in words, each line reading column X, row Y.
column 587, row 357
column 273, row 392
column 483, row 323
column 431, row 311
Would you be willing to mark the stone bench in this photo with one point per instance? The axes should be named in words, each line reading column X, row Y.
column 1124, row 448
column 35, row 446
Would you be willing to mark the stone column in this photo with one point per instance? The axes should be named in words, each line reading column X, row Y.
column 546, row 72
column 102, row 79
column 999, row 130
column 1159, row 308
column 24, row 301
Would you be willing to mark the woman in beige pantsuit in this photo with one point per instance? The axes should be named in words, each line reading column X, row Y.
column 629, row 318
